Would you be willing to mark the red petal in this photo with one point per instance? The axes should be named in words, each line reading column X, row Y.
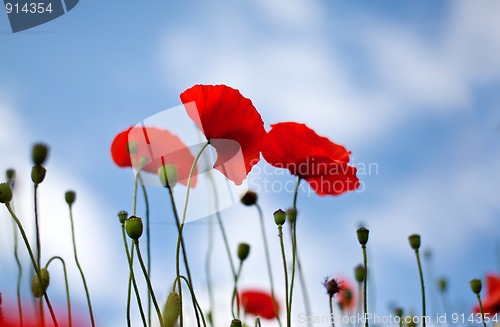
column 258, row 303
column 223, row 114
column 119, row 149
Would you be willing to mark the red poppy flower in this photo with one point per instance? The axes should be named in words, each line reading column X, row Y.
column 153, row 147
column 259, row 303
column 491, row 304
column 232, row 125
column 318, row 160
column 346, row 297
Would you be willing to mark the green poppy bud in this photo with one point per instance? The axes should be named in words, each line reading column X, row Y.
column 475, row 286
column 38, row 174
column 360, row 273
column 168, row 175
column 243, row 251
column 11, row 175
column 171, row 309
column 38, row 289
column 414, row 241
column 443, row 284
column 5, row 193
column 363, row 234
column 236, row 323
column 134, row 227
column 279, row 217
column 398, row 312
column 70, row 197
column 122, row 216
column 291, row 215
column 250, row 198
column 39, row 153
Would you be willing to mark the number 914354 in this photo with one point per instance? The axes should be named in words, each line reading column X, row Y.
column 28, row 8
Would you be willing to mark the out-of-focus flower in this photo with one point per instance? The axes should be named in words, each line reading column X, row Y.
column 322, row 163
column 346, row 297
column 148, row 148
column 231, row 123
column 491, row 303
column 259, row 303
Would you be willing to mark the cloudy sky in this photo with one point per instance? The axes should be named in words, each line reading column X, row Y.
column 410, row 88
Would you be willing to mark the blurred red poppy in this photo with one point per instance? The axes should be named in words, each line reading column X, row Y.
column 318, row 160
column 150, row 148
column 232, row 125
column 491, row 303
column 346, row 298
column 259, row 303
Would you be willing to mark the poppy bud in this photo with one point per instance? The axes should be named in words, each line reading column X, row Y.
column 39, row 153
column 243, row 251
column 414, row 241
column 36, row 288
column 38, row 174
column 475, row 286
column 11, row 174
column 332, row 287
column 171, row 310
column 443, row 284
column 168, row 175
column 291, row 215
column 362, row 235
column 70, row 197
column 122, row 216
column 236, row 323
column 250, row 198
column 134, row 227
column 360, row 273
column 398, row 312
column 5, row 193
column 279, row 217
column 132, row 147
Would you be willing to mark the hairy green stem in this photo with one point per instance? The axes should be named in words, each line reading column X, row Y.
column 365, row 260
column 148, row 242
column 38, row 247
column 283, row 256
column 19, row 267
column 422, row 287
column 68, row 298
column 481, row 308
column 235, row 293
column 197, row 305
column 331, row 311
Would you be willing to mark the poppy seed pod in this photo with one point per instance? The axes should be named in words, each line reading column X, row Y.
column 360, row 273
column 171, row 310
column 36, row 288
column 168, row 175
column 10, row 174
column 38, row 174
column 243, row 251
column 70, row 197
column 134, row 227
column 362, row 235
column 291, row 215
column 250, row 198
column 414, row 241
column 122, row 216
column 279, row 217
column 443, row 284
column 475, row 286
column 236, row 323
column 39, row 153
column 5, row 193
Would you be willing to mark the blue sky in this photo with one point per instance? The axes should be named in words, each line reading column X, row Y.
column 410, row 88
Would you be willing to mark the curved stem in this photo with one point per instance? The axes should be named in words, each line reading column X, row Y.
column 80, row 267
column 364, row 284
column 33, row 261
column 195, row 300
column 148, row 281
column 268, row 260
column 38, row 247
column 235, row 293
column 280, row 231
column 482, row 310
column 421, row 286
column 130, row 260
column 331, row 311
column 19, row 274
column 183, row 220
column 184, row 252
column 148, row 242
column 68, row 298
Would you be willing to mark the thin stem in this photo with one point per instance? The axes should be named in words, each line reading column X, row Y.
column 79, row 266
column 360, row 291
column 148, row 242
column 148, row 281
column 257, row 322
column 184, row 252
column 19, row 274
column 365, row 260
column 195, row 300
column 130, row 260
column 68, row 298
column 33, row 261
column 183, row 220
column 268, row 261
column 331, row 311
column 482, row 310
column 38, row 247
column 235, row 293
column 421, row 286
column 280, row 231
